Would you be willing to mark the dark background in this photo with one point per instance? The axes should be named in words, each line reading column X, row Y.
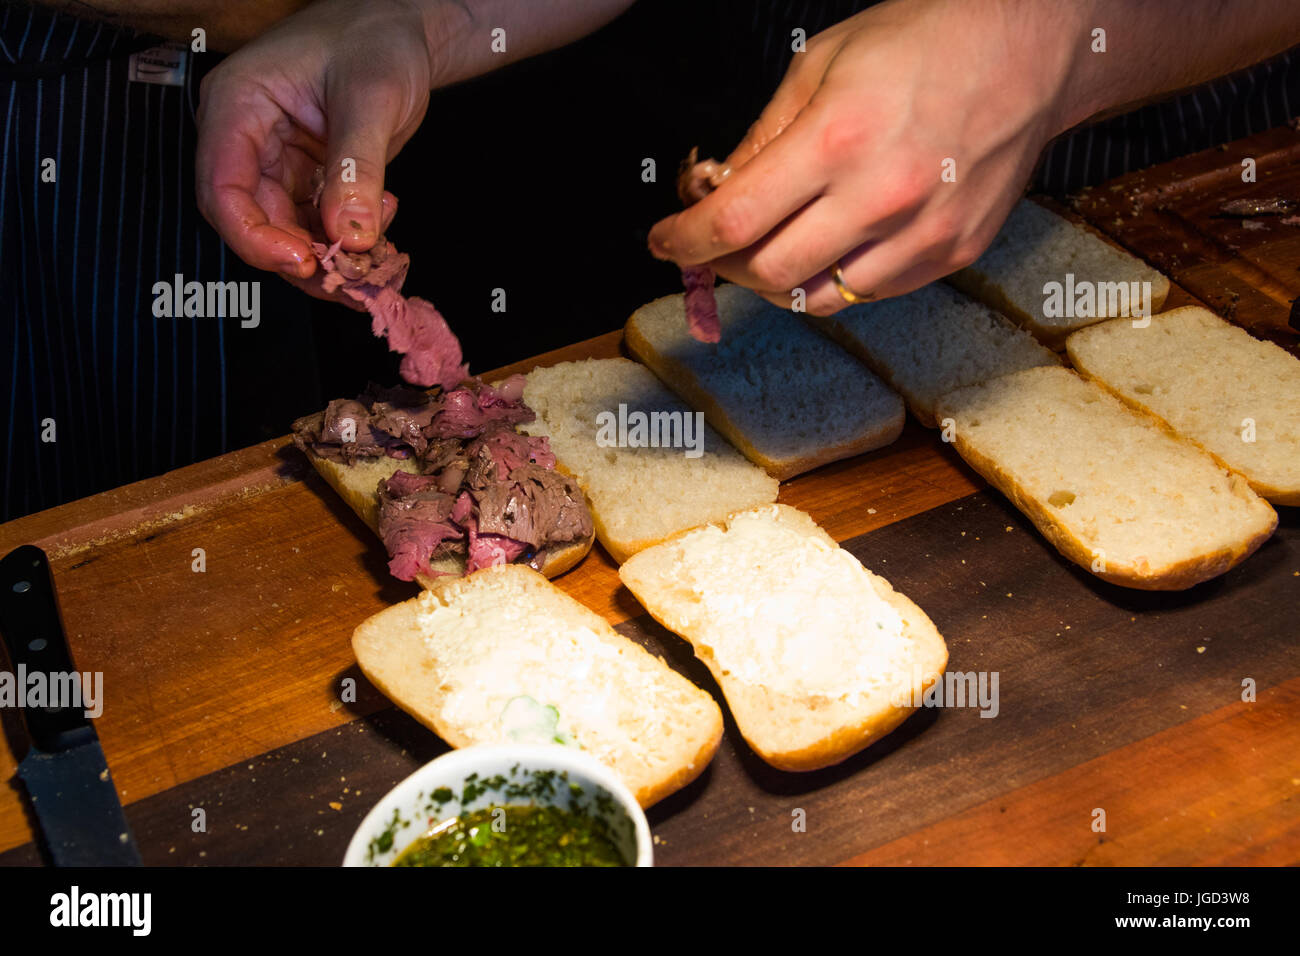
column 530, row 180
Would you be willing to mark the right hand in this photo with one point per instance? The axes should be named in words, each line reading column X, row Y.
column 337, row 81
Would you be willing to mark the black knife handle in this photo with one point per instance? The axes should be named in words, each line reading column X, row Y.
column 33, row 637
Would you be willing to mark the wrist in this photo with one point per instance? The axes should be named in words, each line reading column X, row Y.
column 450, row 28
column 1073, row 59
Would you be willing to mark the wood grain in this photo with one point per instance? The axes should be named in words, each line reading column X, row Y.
column 221, row 685
column 1087, row 672
column 203, row 670
column 1245, row 269
column 1201, row 766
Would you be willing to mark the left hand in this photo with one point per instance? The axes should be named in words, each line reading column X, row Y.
column 845, row 163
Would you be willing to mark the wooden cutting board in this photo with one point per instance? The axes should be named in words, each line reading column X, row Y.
column 223, row 686
column 1246, row 268
column 1101, row 691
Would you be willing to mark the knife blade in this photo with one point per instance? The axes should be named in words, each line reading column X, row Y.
column 65, row 772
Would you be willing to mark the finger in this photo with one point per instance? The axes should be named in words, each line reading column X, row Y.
column 363, row 118
column 388, row 209
column 807, row 243
column 820, row 288
column 313, row 287
column 755, row 199
column 234, row 137
column 879, row 271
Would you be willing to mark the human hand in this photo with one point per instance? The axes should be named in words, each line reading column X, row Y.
column 340, row 85
column 845, row 164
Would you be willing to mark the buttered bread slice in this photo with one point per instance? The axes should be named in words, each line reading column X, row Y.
column 1107, row 485
column 503, row 655
column 817, row 656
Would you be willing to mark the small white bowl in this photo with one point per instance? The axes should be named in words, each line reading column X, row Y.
column 410, row 809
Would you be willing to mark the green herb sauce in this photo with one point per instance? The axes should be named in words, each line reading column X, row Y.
column 506, row 835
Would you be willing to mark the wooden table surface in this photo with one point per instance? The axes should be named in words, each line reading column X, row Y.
column 223, row 687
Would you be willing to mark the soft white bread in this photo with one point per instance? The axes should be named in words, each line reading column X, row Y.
column 1213, row 383
column 817, row 656
column 357, row 484
column 932, row 341
column 1035, row 247
column 787, row 398
column 503, row 655
column 1108, row 486
column 639, row 495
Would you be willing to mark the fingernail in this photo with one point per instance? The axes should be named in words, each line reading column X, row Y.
column 356, row 221
column 388, row 209
column 292, row 266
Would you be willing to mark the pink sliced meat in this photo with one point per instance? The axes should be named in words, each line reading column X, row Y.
column 486, row 550
column 701, row 303
column 431, row 353
column 695, row 180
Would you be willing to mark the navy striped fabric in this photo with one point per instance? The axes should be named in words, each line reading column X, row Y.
column 130, row 395
column 1231, row 107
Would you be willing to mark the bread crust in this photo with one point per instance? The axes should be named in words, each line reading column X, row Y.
column 1173, row 577
column 344, row 480
column 385, row 634
column 980, row 287
column 622, row 547
column 1274, row 493
column 752, row 705
column 680, row 379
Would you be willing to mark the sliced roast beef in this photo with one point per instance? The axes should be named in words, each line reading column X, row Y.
column 483, row 490
column 345, row 432
column 467, row 411
column 431, row 353
column 695, row 180
column 497, row 452
column 487, row 550
column 535, row 505
column 701, row 303
column 415, row 518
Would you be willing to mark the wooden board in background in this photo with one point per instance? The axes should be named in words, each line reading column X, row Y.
column 1246, row 270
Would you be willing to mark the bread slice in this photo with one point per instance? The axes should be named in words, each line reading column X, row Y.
column 817, row 656
column 1036, row 247
column 358, row 485
column 503, row 655
column 787, row 398
column 932, row 341
column 1112, row 490
column 639, row 495
column 1210, row 381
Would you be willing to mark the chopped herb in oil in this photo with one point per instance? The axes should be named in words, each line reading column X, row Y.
column 515, row 836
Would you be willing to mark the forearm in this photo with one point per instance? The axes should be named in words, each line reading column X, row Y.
column 460, row 33
column 227, row 25
column 1156, row 47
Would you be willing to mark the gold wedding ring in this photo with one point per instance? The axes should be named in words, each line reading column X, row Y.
column 847, row 294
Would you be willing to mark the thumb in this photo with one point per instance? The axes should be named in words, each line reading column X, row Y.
column 360, row 130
